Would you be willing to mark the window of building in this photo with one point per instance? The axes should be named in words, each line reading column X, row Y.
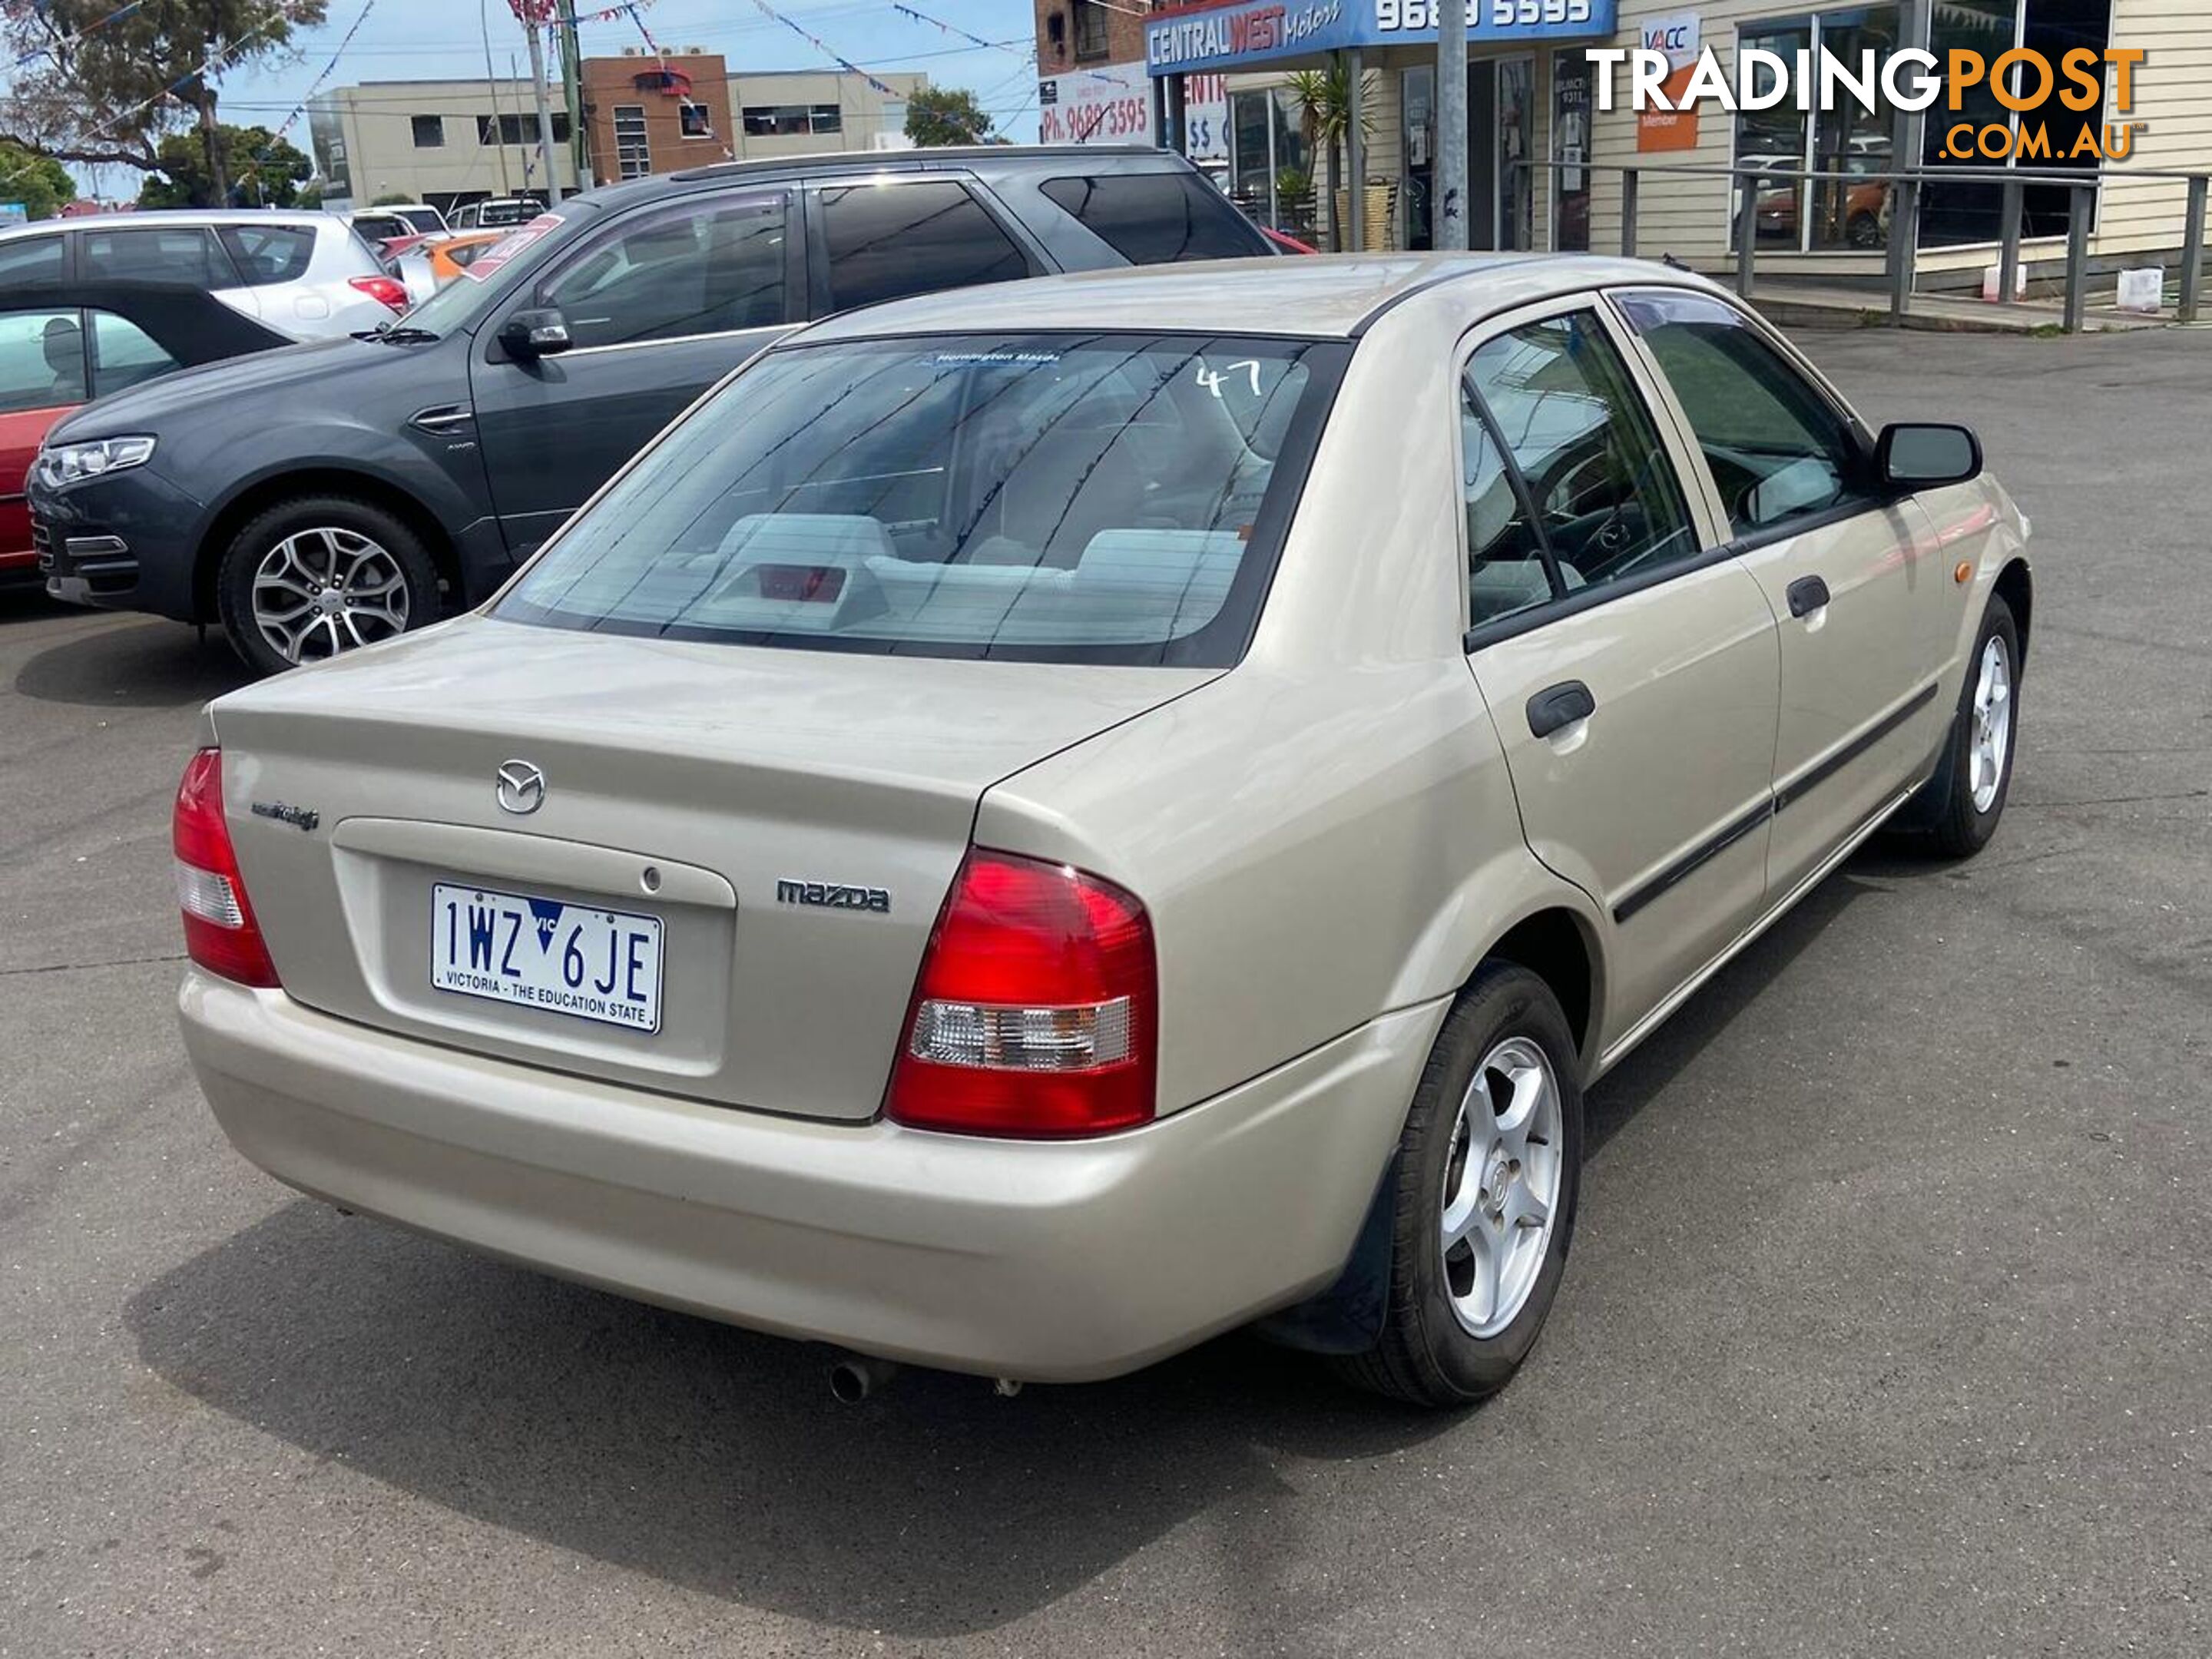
column 1268, row 176
column 783, row 120
column 892, row 239
column 506, row 129
column 429, row 131
column 633, row 153
column 1792, row 213
column 1972, row 211
column 1090, row 29
column 693, row 121
column 1156, row 218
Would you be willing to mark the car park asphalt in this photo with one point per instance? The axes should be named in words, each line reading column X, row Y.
column 1888, row 1328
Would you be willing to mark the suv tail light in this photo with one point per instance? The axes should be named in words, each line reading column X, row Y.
column 387, row 290
column 1036, row 1009
column 220, row 932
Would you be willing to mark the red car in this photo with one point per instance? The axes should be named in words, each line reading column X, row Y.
column 63, row 344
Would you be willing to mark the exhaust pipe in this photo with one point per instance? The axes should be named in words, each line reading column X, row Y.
column 855, row 1376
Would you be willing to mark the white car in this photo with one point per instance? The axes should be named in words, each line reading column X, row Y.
column 307, row 275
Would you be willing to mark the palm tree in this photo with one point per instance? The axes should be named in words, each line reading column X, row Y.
column 1324, row 101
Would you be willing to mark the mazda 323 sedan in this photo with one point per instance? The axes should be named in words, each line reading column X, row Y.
column 1039, row 823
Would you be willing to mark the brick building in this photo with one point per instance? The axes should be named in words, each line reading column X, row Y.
column 643, row 118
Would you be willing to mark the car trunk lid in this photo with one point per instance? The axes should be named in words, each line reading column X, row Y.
column 786, row 822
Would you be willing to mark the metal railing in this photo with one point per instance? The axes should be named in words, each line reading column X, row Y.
column 1902, row 251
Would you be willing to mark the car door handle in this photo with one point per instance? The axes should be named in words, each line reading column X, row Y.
column 1807, row 595
column 1559, row 705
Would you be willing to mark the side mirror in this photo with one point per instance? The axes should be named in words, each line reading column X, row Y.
column 537, row 333
column 1921, row 455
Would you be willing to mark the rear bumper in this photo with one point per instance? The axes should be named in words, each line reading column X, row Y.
column 1048, row 1261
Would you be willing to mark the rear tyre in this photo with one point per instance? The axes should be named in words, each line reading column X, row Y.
column 1483, row 1210
column 316, row 576
column 1976, row 777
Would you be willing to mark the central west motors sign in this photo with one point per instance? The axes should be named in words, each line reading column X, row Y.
column 1256, row 30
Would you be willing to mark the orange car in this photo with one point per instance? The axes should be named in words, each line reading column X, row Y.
column 450, row 256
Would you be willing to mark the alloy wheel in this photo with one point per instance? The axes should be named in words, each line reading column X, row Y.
column 321, row 591
column 1501, row 1194
column 1991, row 738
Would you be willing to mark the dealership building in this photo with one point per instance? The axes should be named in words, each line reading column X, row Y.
column 1531, row 99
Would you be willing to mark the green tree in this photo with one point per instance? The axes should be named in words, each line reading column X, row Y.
column 40, row 183
column 257, row 169
column 1324, row 101
column 946, row 115
column 393, row 198
column 94, row 88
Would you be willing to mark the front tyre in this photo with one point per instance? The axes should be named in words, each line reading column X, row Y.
column 1976, row 773
column 1483, row 1208
column 316, row 576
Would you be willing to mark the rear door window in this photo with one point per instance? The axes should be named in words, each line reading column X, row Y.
column 270, row 253
column 172, row 253
column 1156, row 218
column 883, row 241
column 1606, row 501
column 41, row 359
column 31, row 259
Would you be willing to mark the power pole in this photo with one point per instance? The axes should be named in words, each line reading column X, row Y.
column 491, row 87
column 571, row 71
column 537, row 37
column 1448, row 212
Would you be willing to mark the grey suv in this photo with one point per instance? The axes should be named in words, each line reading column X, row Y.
column 315, row 500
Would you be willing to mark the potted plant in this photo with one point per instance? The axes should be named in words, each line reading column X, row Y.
column 1324, row 101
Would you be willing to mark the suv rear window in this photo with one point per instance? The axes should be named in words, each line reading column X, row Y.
column 1114, row 498
column 1156, row 218
column 888, row 241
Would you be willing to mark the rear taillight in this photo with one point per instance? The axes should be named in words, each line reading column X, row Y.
column 1036, row 1011
column 220, row 932
column 386, row 290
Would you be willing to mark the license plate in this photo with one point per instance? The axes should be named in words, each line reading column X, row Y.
column 574, row 959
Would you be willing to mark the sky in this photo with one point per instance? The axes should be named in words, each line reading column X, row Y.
column 444, row 39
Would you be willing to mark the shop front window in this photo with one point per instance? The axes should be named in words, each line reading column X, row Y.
column 1270, row 176
column 1793, row 212
column 1972, row 210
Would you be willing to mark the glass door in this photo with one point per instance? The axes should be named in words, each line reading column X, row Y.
column 1571, row 113
column 1517, row 136
column 1417, row 97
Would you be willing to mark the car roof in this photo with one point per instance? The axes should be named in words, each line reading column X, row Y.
column 175, row 216
column 1324, row 294
column 987, row 159
column 188, row 323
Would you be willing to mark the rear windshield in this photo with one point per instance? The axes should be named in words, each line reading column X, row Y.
column 1110, row 498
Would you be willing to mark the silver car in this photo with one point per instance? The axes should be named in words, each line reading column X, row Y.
column 307, row 275
column 1041, row 823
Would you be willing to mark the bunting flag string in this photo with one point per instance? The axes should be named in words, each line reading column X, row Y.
column 943, row 27
column 822, row 46
column 316, row 85
column 69, row 40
